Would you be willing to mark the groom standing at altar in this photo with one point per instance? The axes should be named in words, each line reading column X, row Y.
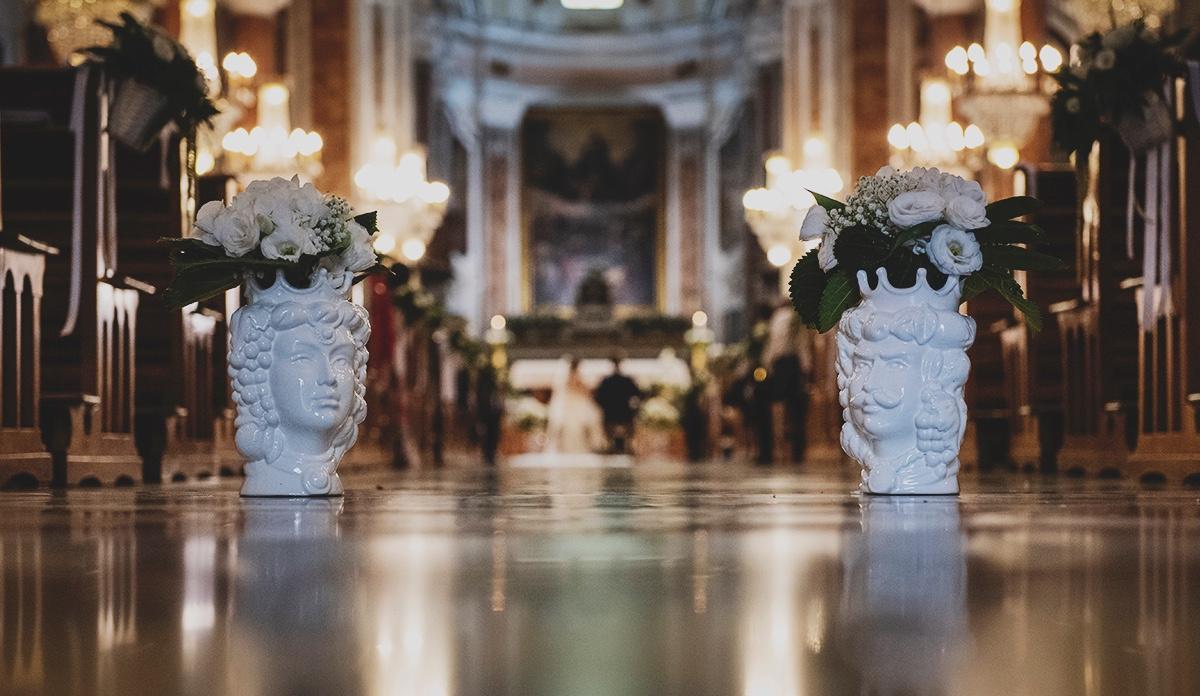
column 619, row 398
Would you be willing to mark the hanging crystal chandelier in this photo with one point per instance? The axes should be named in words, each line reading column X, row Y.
column 936, row 139
column 1004, row 82
column 273, row 147
column 71, row 24
column 410, row 208
column 776, row 212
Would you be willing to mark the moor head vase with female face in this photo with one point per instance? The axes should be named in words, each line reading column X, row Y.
column 901, row 368
column 298, row 362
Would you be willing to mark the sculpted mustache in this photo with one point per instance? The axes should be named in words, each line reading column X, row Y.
column 883, row 398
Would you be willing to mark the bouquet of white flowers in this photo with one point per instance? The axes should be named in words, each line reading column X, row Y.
column 658, row 414
column 272, row 225
column 529, row 414
column 905, row 221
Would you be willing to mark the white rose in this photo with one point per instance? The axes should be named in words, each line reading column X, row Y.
column 1105, row 59
column 967, row 213
column 206, row 219
column 954, row 251
column 236, row 231
column 914, row 207
column 815, row 223
column 359, row 257
column 954, row 186
column 307, row 200
column 825, row 257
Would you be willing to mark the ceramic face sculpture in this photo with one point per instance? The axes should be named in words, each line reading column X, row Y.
column 298, row 364
column 901, row 368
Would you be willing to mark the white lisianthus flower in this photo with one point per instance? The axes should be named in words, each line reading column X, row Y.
column 886, row 170
column 914, row 207
column 825, row 257
column 206, row 219
column 815, row 223
column 306, row 200
column 288, row 241
column 966, row 213
column 954, row 251
column 236, row 231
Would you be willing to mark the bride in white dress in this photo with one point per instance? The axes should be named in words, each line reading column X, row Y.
column 575, row 424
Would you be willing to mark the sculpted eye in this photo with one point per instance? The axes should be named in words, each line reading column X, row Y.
column 897, row 363
column 300, row 357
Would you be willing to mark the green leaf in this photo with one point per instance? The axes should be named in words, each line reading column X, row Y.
column 1002, row 282
column 826, row 202
column 369, row 220
column 973, row 286
column 861, row 247
column 1008, row 232
column 841, row 293
column 1009, row 208
column 1015, row 258
column 198, row 285
column 806, row 286
column 913, row 233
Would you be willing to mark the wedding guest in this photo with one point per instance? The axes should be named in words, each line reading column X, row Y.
column 788, row 357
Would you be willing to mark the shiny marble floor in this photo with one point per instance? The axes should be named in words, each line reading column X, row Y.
column 629, row 580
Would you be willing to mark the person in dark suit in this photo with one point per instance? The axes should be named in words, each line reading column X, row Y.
column 619, row 398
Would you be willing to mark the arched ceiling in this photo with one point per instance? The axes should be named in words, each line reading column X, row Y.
column 636, row 16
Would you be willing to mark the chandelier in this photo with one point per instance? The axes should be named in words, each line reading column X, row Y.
column 273, row 147
column 410, row 208
column 71, row 24
column 776, row 212
column 1004, row 82
column 936, row 139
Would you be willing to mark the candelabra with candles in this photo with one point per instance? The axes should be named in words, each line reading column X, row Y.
column 410, row 208
column 776, row 212
column 1004, row 82
column 936, row 139
column 273, row 148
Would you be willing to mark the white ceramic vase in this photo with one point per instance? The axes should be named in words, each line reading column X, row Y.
column 901, row 368
column 298, row 363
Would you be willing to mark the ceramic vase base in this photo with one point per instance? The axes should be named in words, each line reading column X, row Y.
column 274, row 483
column 938, row 488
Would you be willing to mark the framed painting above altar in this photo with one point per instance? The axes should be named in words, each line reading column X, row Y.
column 592, row 201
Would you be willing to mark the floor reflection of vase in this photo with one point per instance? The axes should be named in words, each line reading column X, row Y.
column 903, row 614
column 291, row 620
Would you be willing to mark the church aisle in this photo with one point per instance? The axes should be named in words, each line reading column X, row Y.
column 649, row 579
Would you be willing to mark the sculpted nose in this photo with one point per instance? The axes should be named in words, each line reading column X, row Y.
column 325, row 374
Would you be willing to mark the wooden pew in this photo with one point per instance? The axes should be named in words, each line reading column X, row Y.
column 1032, row 362
column 88, row 322
column 1168, row 424
column 1098, row 327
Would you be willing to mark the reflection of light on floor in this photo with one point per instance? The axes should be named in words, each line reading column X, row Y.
column 116, row 560
column 412, row 630
column 21, row 666
column 777, row 625
column 199, row 612
column 499, row 570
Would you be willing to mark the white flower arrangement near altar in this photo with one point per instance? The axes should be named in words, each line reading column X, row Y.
column 274, row 225
column 529, row 414
column 657, row 413
column 905, row 222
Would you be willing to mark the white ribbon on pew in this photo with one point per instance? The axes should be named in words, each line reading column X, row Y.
column 1156, row 240
column 1194, row 81
column 78, row 122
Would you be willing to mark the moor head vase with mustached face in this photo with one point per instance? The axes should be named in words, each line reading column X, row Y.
column 901, row 368
column 297, row 362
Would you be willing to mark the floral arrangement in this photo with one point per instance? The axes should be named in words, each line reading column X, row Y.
column 905, row 221
column 148, row 55
column 657, row 413
column 1116, row 80
column 529, row 415
column 272, row 225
